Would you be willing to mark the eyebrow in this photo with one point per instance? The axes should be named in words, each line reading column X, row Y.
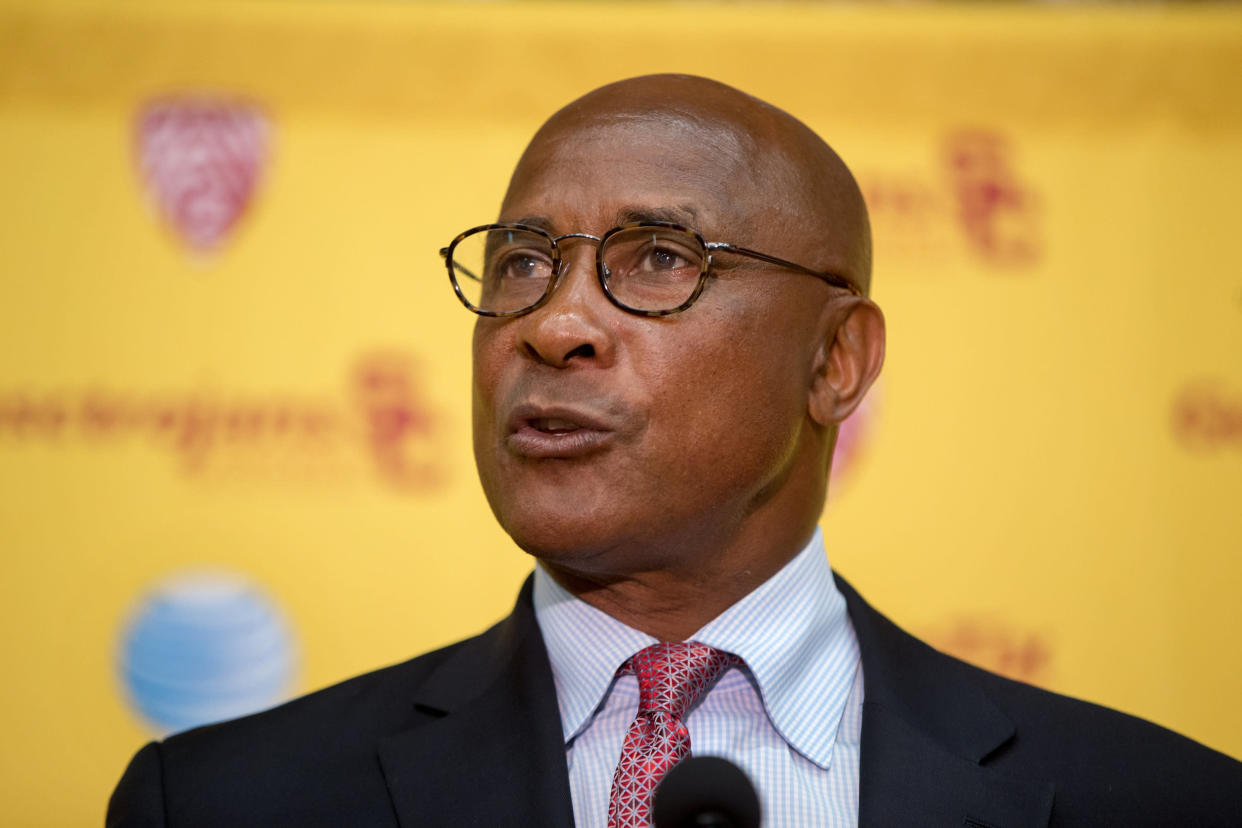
column 542, row 222
column 680, row 214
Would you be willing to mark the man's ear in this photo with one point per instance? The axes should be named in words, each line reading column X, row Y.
column 849, row 359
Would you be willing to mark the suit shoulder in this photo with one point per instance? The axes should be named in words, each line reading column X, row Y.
column 1107, row 761
column 1106, row 767
column 310, row 761
column 1065, row 719
column 378, row 700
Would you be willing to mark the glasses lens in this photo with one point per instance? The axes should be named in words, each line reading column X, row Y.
column 502, row 270
column 653, row 268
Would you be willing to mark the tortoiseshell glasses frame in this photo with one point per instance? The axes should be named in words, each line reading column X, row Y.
column 692, row 238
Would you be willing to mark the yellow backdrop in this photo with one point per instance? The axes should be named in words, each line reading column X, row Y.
column 248, row 360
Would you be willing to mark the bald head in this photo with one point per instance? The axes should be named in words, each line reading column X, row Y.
column 788, row 189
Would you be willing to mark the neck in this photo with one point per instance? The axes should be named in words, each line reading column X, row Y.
column 671, row 581
column 671, row 603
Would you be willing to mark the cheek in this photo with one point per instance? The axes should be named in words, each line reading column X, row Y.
column 732, row 398
column 489, row 348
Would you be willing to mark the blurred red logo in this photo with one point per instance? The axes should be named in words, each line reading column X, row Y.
column 1206, row 417
column 974, row 200
column 383, row 428
column 994, row 207
column 200, row 159
column 995, row 644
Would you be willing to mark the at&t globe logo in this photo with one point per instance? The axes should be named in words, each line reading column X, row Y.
column 205, row 646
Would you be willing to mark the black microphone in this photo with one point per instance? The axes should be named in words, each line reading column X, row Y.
column 705, row 792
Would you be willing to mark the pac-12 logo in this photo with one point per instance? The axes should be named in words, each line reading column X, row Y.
column 200, row 159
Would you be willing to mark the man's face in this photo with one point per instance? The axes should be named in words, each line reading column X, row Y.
column 607, row 441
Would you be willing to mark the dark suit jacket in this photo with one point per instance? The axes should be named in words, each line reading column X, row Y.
column 470, row 735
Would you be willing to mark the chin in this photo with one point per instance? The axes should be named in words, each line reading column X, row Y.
column 549, row 538
column 584, row 542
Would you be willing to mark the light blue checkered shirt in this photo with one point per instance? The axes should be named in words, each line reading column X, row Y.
column 791, row 718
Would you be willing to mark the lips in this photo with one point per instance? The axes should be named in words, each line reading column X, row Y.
column 552, row 432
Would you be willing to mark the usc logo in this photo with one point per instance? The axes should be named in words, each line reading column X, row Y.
column 972, row 202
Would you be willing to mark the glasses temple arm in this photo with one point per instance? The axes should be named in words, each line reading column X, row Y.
column 830, row 278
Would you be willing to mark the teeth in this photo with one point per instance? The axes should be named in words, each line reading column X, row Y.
column 553, row 424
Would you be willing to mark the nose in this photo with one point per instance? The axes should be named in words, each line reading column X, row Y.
column 575, row 326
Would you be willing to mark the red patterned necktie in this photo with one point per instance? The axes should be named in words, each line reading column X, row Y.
column 671, row 677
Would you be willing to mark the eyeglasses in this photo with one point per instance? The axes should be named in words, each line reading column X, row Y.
column 650, row 268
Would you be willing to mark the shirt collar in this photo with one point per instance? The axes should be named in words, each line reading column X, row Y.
column 585, row 648
column 793, row 632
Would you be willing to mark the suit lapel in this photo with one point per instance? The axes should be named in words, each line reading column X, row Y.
column 485, row 747
column 928, row 731
column 909, row 779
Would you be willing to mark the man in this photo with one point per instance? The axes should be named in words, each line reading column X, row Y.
column 673, row 322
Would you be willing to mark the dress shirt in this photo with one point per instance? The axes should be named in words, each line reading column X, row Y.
column 790, row 716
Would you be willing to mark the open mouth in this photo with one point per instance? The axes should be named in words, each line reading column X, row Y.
column 553, row 425
column 556, row 434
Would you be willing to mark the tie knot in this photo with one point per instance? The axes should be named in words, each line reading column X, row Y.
column 672, row 675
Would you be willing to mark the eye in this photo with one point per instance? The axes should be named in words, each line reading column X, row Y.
column 522, row 264
column 660, row 254
column 666, row 258
column 654, row 256
column 519, row 265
